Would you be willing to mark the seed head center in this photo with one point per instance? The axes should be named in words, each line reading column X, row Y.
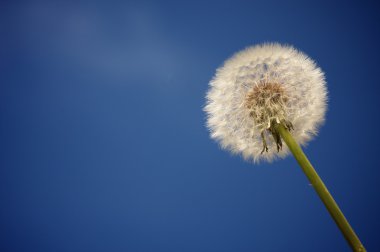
column 265, row 103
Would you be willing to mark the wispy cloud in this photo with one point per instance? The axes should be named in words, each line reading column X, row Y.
column 125, row 42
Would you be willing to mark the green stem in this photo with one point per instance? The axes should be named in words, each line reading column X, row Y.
column 321, row 189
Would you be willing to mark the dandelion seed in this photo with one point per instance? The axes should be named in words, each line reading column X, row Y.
column 260, row 85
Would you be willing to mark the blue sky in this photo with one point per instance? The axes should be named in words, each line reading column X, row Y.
column 103, row 138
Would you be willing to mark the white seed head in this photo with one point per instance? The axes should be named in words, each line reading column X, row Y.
column 258, row 86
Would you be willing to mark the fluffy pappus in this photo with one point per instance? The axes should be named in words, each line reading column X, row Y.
column 258, row 86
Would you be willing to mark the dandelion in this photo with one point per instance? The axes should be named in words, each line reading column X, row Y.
column 260, row 85
column 267, row 94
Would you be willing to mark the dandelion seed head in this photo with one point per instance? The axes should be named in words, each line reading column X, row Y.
column 260, row 85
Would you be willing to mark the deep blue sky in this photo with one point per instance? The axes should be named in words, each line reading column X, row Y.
column 102, row 137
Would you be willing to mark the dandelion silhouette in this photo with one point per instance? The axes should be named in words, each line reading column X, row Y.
column 267, row 94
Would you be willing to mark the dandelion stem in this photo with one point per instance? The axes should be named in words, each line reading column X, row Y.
column 321, row 189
